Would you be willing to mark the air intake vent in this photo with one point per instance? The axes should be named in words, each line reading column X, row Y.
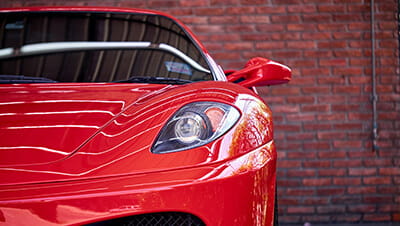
column 155, row 219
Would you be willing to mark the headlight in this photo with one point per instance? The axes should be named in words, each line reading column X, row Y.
column 194, row 125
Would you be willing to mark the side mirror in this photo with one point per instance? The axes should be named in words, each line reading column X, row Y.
column 261, row 72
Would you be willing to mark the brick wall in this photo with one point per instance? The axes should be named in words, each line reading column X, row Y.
column 327, row 171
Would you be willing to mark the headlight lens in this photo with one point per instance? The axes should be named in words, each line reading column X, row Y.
column 194, row 125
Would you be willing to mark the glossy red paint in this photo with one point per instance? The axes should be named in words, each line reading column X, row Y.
column 239, row 164
column 261, row 72
column 79, row 153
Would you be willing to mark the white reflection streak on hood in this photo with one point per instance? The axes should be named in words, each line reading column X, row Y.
column 117, row 146
column 69, row 112
column 76, row 174
column 81, row 101
column 54, row 126
column 57, row 91
column 7, row 114
column 164, row 102
column 135, row 125
column 37, row 148
column 10, row 103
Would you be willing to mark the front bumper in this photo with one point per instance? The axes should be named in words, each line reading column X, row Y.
column 239, row 191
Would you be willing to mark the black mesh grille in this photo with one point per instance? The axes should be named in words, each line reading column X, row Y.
column 155, row 219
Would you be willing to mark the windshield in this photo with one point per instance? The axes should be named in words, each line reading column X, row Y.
column 97, row 47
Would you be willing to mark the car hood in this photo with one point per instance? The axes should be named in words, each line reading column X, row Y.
column 72, row 132
column 41, row 124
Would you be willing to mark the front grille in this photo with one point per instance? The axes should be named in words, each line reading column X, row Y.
column 155, row 219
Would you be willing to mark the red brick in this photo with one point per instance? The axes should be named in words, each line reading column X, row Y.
column 300, row 99
column 288, row 183
column 251, row 2
column 362, row 208
column 331, row 99
column 336, row 209
column 224, row 2
column 389, row 171
column 330, row 191
column 302, row 8
column 195, row 20
column 270, row 45
column 317, row 145
column 315, row 108
column 362, row 171
column 347, row 17
column 191, row 3
column 317, row 53
column 301, row 172
column 360, row 80
column 319, row 18
column 289, row 218
column 162, row 3
column 286, row 109
column 377, row 180
column 315, row 71
column 331, row 154
column 301, row 118
column 303, row 81
column 289, row 163
column 331, row 80
column 389, row 189
column 315, row 218
column 331, row 8
column 347, row 144
column 331, row 117
column 331, row 172
column 301, row 27
column 237, row 10
column 347, row 107
column 240, row 28
column 316, row 89
column 301, row 155
column 269, row 27
column 207, row 28
column 350, row 89
column 316, row 200
column 238, row 46
column 377, row 217
column 333, row 62
column 284, row 18
column 317, row 164
column 293, row 36
column 271, row 9
column 224, row 20
column 301, row 45
column 396, row 217
column 346, row 199
column 317, row 181
column 299, row 191
column 254, row 19
column 300, row 209
column 348, row 217
column 346, row 181
column 360, row 26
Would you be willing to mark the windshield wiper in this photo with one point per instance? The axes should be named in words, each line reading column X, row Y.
column 10, row 79
column 156, row 80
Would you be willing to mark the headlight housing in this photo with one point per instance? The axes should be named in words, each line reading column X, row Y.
column 194, row 125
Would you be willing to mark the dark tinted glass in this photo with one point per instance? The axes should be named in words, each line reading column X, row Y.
column 18, row 29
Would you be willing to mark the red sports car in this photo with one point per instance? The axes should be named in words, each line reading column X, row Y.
column 120, row 116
